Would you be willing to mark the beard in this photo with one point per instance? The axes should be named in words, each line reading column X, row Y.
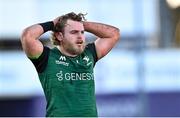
column 76, row 49
column 73, row 48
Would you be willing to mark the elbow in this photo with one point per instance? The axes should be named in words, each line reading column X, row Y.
column 25, row 34
column 117, row 34
column 25, row 37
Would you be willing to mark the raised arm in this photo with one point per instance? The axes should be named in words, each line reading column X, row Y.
column 30, row 43
column 30, row 38
column 108, row 36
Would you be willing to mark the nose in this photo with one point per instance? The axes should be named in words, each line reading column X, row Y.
column 80, row 35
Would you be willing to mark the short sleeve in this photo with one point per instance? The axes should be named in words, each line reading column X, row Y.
column 41, row 62
column 92, row 48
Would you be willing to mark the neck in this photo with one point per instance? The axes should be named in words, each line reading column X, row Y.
column 65, row 52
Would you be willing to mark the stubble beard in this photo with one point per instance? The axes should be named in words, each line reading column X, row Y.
column 74, row 49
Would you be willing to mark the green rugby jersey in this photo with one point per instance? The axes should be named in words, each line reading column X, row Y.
column 68, row 82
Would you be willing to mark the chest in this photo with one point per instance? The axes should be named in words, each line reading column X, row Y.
column 62, row 70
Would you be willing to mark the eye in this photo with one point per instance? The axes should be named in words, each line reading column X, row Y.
column 73, row 31
column 82, row 32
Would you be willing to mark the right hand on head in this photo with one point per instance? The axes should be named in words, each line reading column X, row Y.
column 55, row 21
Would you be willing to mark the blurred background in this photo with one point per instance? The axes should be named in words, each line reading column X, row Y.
column 139, row 77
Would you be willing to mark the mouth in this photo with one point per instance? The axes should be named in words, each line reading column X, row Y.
column 79, row 42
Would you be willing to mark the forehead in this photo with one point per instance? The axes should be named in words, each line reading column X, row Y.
column 74, row 25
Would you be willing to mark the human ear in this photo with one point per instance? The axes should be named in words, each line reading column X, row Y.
column 59, row 36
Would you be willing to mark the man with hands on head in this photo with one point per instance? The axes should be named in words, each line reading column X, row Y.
column 66, row 71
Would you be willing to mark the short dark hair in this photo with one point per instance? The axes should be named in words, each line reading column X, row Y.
column 59, row 27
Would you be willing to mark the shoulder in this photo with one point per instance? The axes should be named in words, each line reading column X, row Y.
column 41, row 62
column 91, row 49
